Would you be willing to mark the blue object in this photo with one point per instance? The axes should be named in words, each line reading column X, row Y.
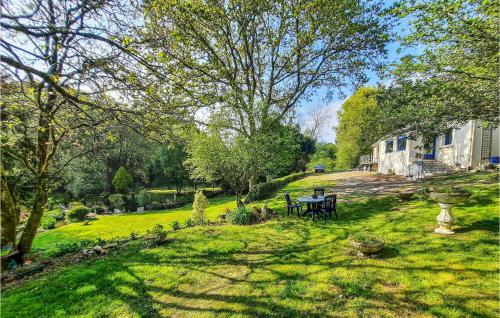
column 431, row 155
column 319, row 168
column 495, row 160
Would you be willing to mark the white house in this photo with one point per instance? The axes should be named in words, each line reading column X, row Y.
column 467, row 147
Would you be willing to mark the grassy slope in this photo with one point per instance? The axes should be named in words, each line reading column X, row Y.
column 291, row 268
column 112, row 226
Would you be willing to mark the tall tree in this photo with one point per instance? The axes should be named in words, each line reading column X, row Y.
column 66, row 58
column 316, row 120
column 454, row 77
column 358, row 126
column 253, row 61
column 168, row 165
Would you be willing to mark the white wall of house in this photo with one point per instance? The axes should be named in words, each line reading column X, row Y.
column 464, row 150
column 395, row 161
column 459, row 151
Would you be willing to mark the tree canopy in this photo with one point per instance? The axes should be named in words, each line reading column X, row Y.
column 358, row 126
column 454, row 76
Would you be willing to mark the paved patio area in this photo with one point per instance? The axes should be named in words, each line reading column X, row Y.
column 355, row 183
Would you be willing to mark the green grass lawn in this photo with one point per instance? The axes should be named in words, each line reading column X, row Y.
column 287, row 267
column 120, row 226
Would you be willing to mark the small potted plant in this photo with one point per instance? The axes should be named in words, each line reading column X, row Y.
column 447, row 197
column 366, row 243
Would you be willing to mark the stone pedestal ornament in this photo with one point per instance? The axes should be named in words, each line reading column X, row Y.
column 445, row 219
column 446, row 202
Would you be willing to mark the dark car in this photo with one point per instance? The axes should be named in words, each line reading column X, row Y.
column 319, row 168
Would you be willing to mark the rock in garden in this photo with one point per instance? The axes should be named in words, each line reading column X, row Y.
column 99, row 250
column 110, row 246
column 60, row 223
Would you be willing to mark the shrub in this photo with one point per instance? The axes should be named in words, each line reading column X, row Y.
column 133, row 236
column 116, row 201
column 189, row 223
column 199, row 205
column 122, row 180
column 241, row 216
column 140, row 197
column 158, row 233
column 77, row 213
column 175, row 225
column 48, row 222
column 66, row 248
column 263, row 190
column 130, row 203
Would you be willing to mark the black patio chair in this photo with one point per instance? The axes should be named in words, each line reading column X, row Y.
column 319, row 192
column 330, row 205
column 292, row 204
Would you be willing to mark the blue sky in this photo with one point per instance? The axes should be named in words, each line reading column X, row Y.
column 328, row 133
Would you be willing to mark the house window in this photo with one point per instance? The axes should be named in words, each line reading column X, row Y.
column 402, row 143
column 389, row 144
column 448, row 137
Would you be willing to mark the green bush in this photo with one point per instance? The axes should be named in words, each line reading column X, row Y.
column 263, row 190
column 242, row 216
column 122, row 180
column 48, row 222
column 189, row 223
column 175, row 225
column 199, row 205
column 116, row 201
column 159, row 235
column 77, row 213
column 140, row 197
column 167, row 197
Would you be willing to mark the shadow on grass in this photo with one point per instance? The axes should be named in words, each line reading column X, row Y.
column 491, row 225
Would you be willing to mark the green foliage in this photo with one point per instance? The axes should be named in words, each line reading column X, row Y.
column 48, row 222
column 358, row 126
column 450, row 190
column 232, row 162
column 116, row 200
column 175, row 225
column 158, row 235
column 242, row 216
column 454, row 76
column 141, row 197
column 263, row 190
column 199, row 205
column 67, row 248
column 365, row 238
column 168, row 166
column 189, row 223
column 326, row 155
column 77, row 213
column 122, row 181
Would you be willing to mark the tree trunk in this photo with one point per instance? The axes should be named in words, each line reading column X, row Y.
column 8, row 215
column 35, row 216
column 42, row 178
column 251, row 182
column 239, row 202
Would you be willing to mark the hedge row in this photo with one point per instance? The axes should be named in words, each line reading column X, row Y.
column 263, row 190
column 166, row 200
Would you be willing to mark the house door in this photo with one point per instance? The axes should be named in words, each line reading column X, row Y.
column 431, row 152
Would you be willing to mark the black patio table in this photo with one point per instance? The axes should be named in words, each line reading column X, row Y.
column 311, row 202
